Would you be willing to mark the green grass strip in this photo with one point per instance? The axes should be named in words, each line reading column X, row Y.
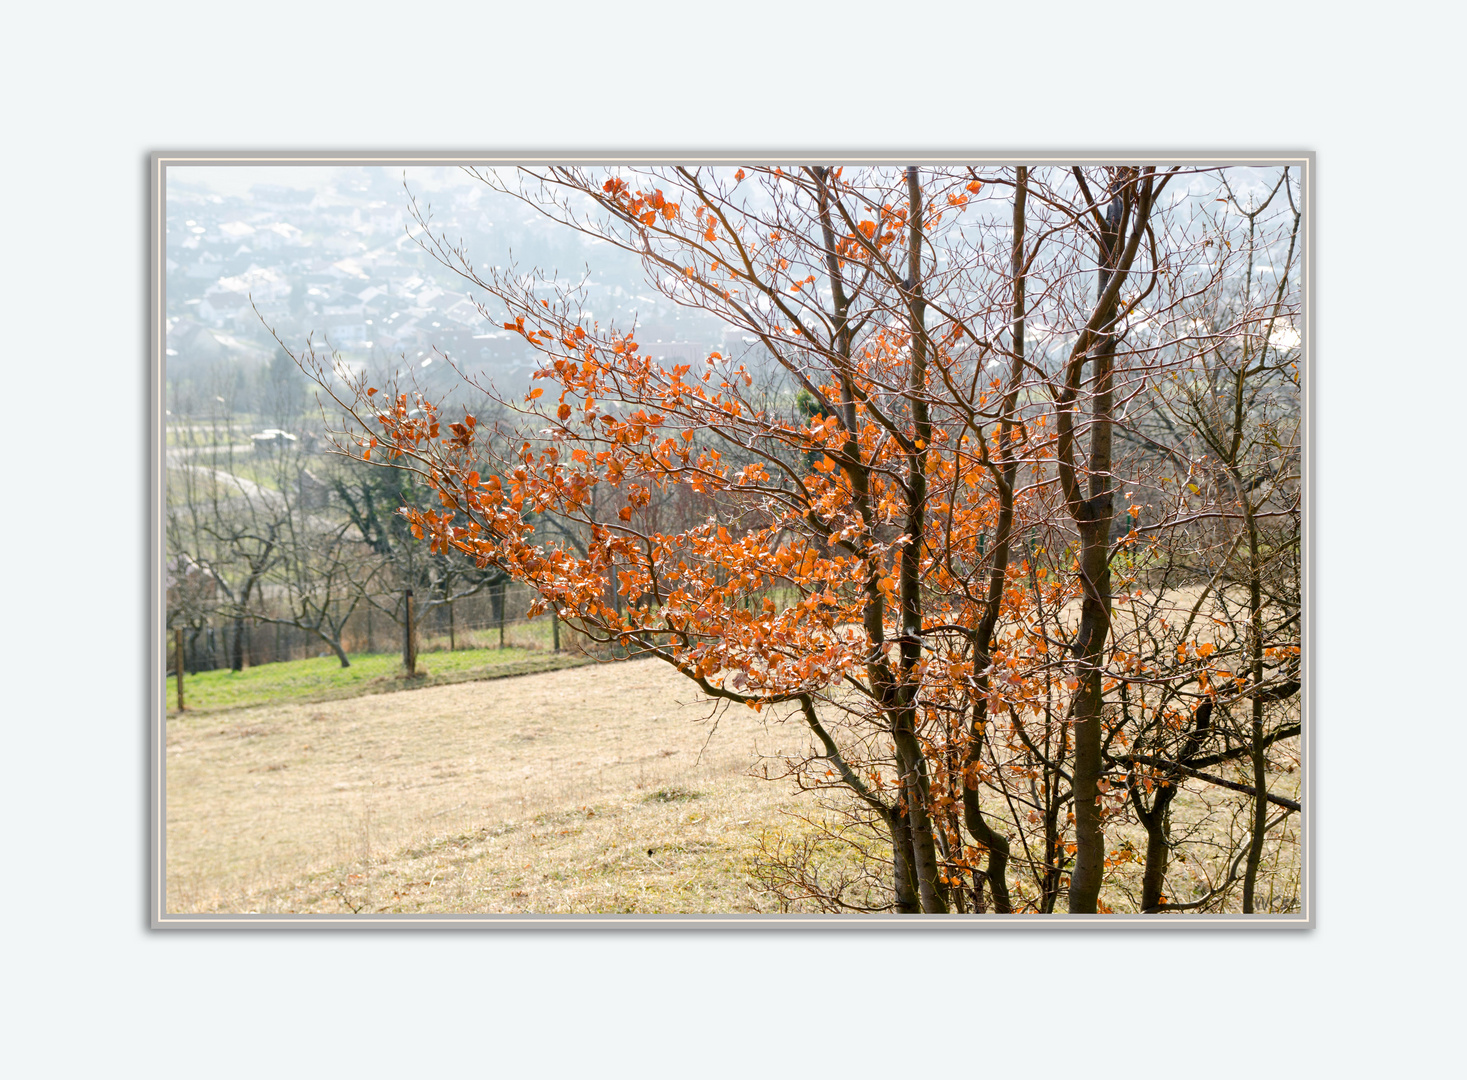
column 324, row 679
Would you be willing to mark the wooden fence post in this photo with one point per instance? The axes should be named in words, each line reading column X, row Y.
column 409, row 642
column 178, row 662
column 554, row 629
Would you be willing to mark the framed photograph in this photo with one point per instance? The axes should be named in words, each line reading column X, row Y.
column 732, row 540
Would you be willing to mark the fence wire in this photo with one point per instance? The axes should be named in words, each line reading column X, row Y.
column 375, row 625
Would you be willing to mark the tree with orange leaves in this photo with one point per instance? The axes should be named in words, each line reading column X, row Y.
column 918, row 562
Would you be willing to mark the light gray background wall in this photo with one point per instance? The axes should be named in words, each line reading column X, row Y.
column 90, row 89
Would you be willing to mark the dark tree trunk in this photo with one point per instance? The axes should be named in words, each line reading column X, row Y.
column 930, row 889
column 1093, row 511
column 1153, row 874
column 904, row 880
column 335, row 645
column 909, row 751
column 1054, row 860
column 1258, row 748
column 1094, row 629
column 994, row 842
column 1154, row 818
column 409, row 636
column 237, row 647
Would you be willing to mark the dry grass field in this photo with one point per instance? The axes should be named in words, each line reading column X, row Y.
column 594, row 789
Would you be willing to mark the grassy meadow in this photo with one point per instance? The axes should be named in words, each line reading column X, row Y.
column 324, row 679
column 599, row 788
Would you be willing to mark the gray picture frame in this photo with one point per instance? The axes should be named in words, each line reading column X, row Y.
column 160, row 919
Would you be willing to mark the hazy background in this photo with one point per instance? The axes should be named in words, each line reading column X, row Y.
column 327, row 257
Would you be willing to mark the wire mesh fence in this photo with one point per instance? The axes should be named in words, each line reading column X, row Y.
column 489, row 619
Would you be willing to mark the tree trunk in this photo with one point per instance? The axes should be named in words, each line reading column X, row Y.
column 1094, row 630
column 904, row 880
column 1054, row 854
column 997, row 846
column 496, row 604
column 409, row 637
column 995, row 843
column 1158, row 846
column 335, row 645
column 178, row 663
column 236, row 651
column 1153, row 875
column 909, row 751
column 1258, row 750
column 930, row 889
column 1093, row 513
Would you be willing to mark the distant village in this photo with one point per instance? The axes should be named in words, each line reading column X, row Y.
column 339, row 265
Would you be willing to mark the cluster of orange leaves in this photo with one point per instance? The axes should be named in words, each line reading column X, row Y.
column 706, row 592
